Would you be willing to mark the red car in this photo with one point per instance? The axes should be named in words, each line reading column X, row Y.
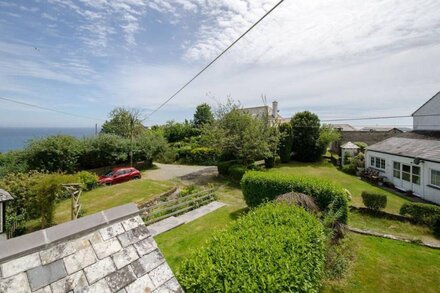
column 119, row 175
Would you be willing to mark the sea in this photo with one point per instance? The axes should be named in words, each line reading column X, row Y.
column 15, row 138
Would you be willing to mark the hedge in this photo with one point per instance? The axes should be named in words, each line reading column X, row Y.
column 259, row 187
column 374, row 201
column 223, row 167
column 274, row 248
column 236, row 172
column 422, row 213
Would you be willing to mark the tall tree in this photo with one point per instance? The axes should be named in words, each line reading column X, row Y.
column 203, row 115
column 125, row 122
column 305, row 135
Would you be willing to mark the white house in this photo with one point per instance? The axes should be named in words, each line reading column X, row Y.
column 265, row 111
column 411, row 160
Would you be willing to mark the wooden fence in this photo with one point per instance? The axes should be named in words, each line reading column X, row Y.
column 177, row 206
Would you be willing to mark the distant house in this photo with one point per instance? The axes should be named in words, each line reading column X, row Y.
column 261, row 111
column 385, row 129
column 411, row 160
column 370, row 135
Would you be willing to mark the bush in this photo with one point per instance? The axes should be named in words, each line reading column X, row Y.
column 223, row 167
column 422, row 213
column 362, row 145
column 58, row 153
column 13, row 162
column 259, row 187
column 286, row 142
column 88, row 180
column 269, row 162
column 237, row 172
column 374, row 201
column 349, row 169
column 276, row 248
column 104, row 150
column 196, row 155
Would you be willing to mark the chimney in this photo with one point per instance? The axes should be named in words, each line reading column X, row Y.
column 275, row 109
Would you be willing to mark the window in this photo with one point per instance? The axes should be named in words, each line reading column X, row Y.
column 406, row 173
column 435, row 177
column 377, row 162
column 396, row 170
column 416, row 175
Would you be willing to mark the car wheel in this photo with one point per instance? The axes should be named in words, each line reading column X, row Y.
column 136, row 178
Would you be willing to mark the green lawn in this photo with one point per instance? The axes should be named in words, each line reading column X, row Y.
column 384, row 265
column 352, row 183
column 106, row 197
column 381, row 265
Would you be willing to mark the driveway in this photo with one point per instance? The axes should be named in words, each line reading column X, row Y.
column 184, row 172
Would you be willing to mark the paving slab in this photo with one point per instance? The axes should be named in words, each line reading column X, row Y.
column 164, row 225
column 173, row 222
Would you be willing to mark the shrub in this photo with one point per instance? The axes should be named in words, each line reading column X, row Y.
column 13, row 162
column 104, row 150
column 223, row 167
column 276, row 248
column 349, row 169
column 374, row 201
column 362, row 145
column 299, row 199
column 259, row 187
column 58, row 153
column 269, row 162
column 88, row 180
column 422, row 213
column 237, row 172
column 286, row 142
column 196, row 155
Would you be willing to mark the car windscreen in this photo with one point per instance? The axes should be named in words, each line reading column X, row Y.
column 110, row 174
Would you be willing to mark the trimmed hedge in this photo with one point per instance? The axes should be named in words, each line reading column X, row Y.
column 260, row 187
column 236, row 172
column 374, row 201
column 422, row 213
column 223, row 167
column 274, row 248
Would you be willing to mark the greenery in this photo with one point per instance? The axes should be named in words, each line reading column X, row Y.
column 237, row 135
column 275, row 247
column 362, row 145
column 237, row 172
column 88, row 180
column 286, row 142
column 104, row 150
column 203, row 115
column 58, row 153
column 175, row 132
column 259, row 187
column 374, row 201
column 124, row 122
column 12, row 162
column 310, row 140
column 223, row 167
column 196, row 155
column 422, row 213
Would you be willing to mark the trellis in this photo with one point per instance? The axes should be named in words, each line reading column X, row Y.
column 74, row 189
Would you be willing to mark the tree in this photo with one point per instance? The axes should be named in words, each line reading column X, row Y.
column 203, row 115
column 285, row 147
column 238, row 135
column 175, row 131
column 54, row 153
column 125, row 122
column 305, row 135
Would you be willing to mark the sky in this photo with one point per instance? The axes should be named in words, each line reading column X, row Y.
column 339, row 59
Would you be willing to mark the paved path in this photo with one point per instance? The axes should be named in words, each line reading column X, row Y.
column 170, row 171
column 173, row 222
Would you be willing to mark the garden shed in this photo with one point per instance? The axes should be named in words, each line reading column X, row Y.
column 348, row 149
column 4, row 198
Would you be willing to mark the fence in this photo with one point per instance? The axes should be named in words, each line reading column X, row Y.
column 177, row 206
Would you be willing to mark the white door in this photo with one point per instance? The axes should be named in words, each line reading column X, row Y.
column 411, row 178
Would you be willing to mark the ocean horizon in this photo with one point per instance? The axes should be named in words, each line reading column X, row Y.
column 16, row 138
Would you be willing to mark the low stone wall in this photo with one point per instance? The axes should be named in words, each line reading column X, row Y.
column 106, row 252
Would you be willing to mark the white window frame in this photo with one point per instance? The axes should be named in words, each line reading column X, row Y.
column 397, row 170
column 430, row 177
column 375, row 160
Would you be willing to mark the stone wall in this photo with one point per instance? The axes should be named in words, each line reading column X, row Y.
column 111, row 251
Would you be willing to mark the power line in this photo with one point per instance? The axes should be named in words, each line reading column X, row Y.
column 215, row 59
column 48, row 109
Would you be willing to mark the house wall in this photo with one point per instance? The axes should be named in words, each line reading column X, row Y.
column 432, row 107
column 423, row 190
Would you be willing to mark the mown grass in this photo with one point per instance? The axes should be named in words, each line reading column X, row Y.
column 326, row 170
column 380, row 265
column 106, row 197
column 384, row 265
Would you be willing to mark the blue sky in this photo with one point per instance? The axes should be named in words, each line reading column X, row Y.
column 338, row 58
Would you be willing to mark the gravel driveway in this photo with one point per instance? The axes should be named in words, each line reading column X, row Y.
column 184, row 172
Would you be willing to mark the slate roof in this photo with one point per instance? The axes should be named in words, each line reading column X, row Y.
column 343, row 127
column 111, row 251
column 384, row 128
column 412, row 144
column 349, row 145
column 5, row 196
